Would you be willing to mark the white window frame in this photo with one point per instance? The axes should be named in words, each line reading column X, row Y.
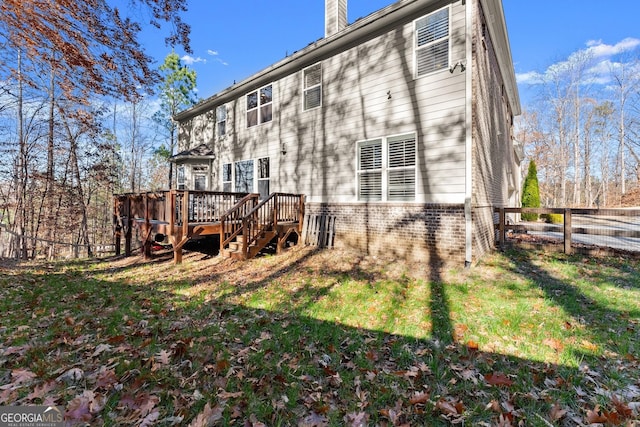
column 200, row 171
column 181, row 178
column 417, row 49
column 371, row 170
column 253, row 175
column 260, row 106
column 221, row 120
column 259, row 176
column 384, row 171
column 306, row 89
column 230, row 180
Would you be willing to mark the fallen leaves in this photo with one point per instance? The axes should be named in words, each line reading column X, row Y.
column 162, row 359
column 498, row 379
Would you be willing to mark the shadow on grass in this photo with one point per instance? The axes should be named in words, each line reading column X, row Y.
column 276, row 367
column 566, row 293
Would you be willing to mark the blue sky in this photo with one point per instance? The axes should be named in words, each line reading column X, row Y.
column 231, row 40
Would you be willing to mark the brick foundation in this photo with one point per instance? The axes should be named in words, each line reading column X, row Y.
column 416, row 232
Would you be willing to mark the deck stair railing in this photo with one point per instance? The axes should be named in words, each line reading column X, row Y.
column 231, row 223
column 260, row 225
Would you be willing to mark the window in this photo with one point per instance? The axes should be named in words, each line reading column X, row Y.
column 200, row 178
column 312, row 86
column 401, row 173
column 221, row 119
column 263, row 177
column 180, row 182
column 244, row 176
column 370, row 170
column 226, row 177
column 260, row 106
column 387, row 169
column 432, row 42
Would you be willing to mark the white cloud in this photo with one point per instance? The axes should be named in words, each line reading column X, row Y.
column 598, row 57
column 597, row 49
column 531, row 77
column 212, row 52
column 190, row 60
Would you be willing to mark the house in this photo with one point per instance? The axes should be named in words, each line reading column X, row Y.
column 398, row 128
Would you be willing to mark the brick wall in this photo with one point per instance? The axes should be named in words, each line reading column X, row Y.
column 416, row 232
column 492, row 150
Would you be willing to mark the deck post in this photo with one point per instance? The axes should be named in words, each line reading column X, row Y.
column 129, row 228
column 502, row 233
column 301, row 217
column 117, row 227
column 146, row 232
column 177, row 248
column 567, row 231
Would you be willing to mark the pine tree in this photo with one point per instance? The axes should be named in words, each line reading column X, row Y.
column 177, row 92
column 531, row 192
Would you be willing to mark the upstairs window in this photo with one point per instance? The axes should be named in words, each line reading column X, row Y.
column 221, row 119
column 432, row 42
column 260, row 106
column 312, row 86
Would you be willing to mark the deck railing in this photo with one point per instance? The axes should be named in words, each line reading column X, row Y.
column 173, row 211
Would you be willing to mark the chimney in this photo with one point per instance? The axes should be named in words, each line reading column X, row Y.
column 335, row 15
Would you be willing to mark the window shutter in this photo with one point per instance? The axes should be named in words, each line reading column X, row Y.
column 312, row 76
column 370, row 186
column 402, row 153
column 432, row 27
column 432, row 42
column 370, row 171
column 401, row 176
column 312, row 98
column 313, row 86
column 370, row 156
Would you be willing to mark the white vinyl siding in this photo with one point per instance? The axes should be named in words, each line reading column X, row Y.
column 432, row 42
column 364, row 97
column 260, row 106
column 312, row 87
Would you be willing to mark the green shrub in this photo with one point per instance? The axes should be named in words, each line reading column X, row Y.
column 553, row 218
column 531, row 192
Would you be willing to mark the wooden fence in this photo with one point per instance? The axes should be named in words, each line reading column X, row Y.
column 589, row 231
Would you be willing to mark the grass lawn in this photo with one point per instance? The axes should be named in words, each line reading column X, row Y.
column 324, row 338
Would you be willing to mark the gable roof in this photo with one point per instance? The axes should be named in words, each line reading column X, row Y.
column 202, row 151
column 360, row 31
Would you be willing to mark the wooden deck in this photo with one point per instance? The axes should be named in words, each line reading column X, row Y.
column 244, row 224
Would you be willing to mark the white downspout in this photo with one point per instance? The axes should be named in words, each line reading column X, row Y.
column 468, row 191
